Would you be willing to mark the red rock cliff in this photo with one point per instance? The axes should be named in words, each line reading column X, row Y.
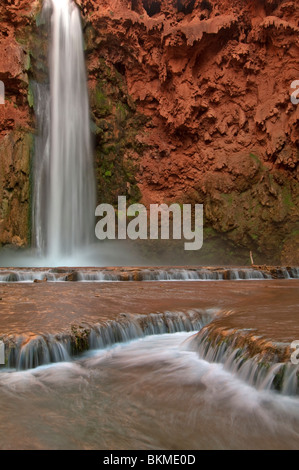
column 214, row 78
column 16, row 124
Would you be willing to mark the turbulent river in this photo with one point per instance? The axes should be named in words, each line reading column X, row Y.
column 141, row 390
column 150, row 393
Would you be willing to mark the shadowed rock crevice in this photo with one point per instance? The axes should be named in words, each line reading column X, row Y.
column 152, row 7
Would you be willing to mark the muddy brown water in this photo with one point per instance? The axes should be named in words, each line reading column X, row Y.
column 270, row 307
column 153, row 392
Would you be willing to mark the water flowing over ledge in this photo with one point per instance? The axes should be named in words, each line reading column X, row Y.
column 258, row 361
column 252, row 324
column 146, row 274
column 254, row 359
column 32, row 351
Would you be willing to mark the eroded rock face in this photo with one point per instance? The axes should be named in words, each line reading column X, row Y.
column 16, row 123
column 214, row 80
column 190, row 103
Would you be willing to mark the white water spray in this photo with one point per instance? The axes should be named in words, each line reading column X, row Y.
column 65, row 188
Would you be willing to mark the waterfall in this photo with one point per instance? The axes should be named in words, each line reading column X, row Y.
column 257, row 370
column 27, row 352
column 145, row 274
column 64, row 199
column 35, row 350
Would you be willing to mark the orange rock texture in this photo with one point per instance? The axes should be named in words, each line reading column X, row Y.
column 16, row 124
column 214, row 78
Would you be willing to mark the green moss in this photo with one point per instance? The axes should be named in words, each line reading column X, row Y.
column 208, row 232
column 27, row 64
column 255, row 158
column 35, row 42
column 228, row 198
column 39, row 20
column 287, row 198
column 4, row 209
column 15, row 191
column 30, row 96
column 80, row 339
column 31, row 151
column 115, row 127
column 135, row 194
column 294, row 233
column 121, row 112
column 101, row 102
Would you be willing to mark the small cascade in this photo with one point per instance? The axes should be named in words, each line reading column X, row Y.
column 294, row 274
column 27, row 353
column 147, row 274
column 97, row 276
column 261, row 371
column 27, row 276
column 38, row 351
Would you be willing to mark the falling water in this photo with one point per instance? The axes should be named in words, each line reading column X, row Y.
column 144, row 274
column 255, row 370
column 32, row 351
column 64, row 200
column 151, row 393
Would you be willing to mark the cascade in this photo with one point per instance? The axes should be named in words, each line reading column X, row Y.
column 64, row 199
